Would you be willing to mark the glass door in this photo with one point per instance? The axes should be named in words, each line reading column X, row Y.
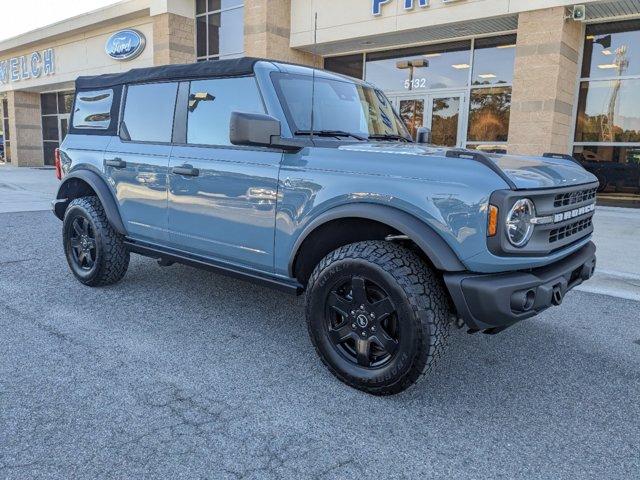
column 445, row 119
column 63, row 126
column 443, row 113
column 411, row 111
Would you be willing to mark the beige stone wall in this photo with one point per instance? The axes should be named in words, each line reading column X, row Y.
column 546, row 68
column 173, row 39
column 267, row 32
column 25, row 129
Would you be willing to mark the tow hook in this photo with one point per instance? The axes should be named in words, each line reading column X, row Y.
column 557, row 296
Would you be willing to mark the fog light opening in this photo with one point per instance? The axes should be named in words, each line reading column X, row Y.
column 523, row 301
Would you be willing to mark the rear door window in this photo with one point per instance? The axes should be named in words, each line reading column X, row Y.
column 149, row 110
column 93, row 109
column 211, row 103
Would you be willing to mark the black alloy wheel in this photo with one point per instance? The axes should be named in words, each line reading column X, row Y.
column 377, row 315
column 96, row 253
column 362, row 322
column 83, row 244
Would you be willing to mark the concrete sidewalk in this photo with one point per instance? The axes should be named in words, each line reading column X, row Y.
column 617, row 230
column 617, row 236
column 26, row 189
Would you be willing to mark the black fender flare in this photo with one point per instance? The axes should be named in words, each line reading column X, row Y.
column 424, row 236
column 100, row 187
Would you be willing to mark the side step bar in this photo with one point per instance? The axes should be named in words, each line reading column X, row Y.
column 167, row 257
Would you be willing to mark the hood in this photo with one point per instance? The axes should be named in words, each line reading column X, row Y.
column 525, row 172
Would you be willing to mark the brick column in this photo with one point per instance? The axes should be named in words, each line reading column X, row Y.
column 267, row 31
column 25, row 129
column 544, row 83
column 173, row 39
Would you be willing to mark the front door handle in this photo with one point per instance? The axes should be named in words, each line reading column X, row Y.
column 186, row 171
column 115, row 163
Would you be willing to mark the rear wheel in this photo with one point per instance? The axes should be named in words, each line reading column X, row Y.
column 377, row 315
column 95, row 252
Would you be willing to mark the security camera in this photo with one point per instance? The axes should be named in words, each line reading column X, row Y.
column 579, row 13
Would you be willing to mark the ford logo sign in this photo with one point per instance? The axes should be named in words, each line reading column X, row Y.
column 125, row 45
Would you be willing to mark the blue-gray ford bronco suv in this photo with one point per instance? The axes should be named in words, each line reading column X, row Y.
column 220, row 165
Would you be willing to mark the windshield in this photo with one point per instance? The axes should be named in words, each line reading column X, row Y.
column 340, row 106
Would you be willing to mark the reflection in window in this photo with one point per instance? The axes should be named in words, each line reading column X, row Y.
column 149, row 110
column 93, row 109
column 617, row 169
column 412, row 113
column 338, row 105
column 612, row 50
column 493, row 60
column 406, row 69
column 489, row 110
column 211, row 103
column 350, row 65
column 609, row 111
column 219, row 29
column 445, row 113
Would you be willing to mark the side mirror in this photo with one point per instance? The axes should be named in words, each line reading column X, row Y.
column 257, row 130
column 423, row 135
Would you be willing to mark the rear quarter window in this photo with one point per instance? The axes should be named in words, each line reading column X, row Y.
column 92, row 110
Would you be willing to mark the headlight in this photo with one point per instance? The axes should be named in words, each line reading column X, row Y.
column 519, row 226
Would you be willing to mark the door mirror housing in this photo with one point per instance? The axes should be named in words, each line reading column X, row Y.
column 423, row 135
column 258, row 130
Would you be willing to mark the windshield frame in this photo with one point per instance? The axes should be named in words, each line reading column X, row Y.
column 323, row 77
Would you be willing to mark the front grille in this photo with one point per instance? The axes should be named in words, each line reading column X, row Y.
column 571, row 198
column 569, row 230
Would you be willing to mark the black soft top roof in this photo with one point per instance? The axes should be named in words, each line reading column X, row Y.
column 214, row 68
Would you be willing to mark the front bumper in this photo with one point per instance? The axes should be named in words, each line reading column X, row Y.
column 496, row 301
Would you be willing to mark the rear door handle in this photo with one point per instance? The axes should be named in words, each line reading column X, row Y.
column 186, row 171
column 115, row 163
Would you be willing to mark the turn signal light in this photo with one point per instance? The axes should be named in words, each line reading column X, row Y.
column 492, row 222
column 58, row 164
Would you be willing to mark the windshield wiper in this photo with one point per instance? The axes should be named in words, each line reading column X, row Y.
column 330, row 133
column 388, row 136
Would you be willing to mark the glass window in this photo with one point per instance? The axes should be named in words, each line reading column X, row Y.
column 611, row 50
column 224, row 4
column 219, row 29
column 7, row 137
column 211, row 103
column 609, row 111
column 50, row 127
column 617, row 169
column 65, row 102
column 49, row 103
column 201, row 36
column 350, row 65
column 149, row 110
column 93, row 109
column 49, row 152
column 411, row 111
column 489, row 110
column 493, row 60
column 420, row 68
column 339, row 105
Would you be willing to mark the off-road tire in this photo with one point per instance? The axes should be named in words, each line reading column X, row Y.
column 422, row 307
column 111, row 255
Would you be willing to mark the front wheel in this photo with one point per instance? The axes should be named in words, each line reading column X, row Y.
column 96, row 253
column 378, row 316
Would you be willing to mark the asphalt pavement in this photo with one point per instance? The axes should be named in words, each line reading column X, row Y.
column 180, row 373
